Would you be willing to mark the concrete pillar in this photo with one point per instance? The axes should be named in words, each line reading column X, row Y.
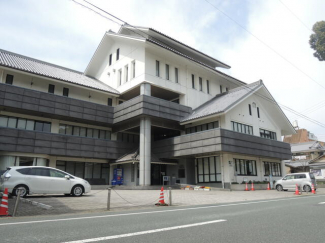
column 145, row 89
column 145, row 152
column 7, row 161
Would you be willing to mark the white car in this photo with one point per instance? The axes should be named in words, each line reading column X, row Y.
column 42, row 180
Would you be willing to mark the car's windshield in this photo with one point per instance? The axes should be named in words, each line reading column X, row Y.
column 289, row 177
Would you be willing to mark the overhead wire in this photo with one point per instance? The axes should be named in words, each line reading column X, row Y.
column 147, row 34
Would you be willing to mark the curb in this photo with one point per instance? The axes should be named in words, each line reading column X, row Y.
column 41, row 205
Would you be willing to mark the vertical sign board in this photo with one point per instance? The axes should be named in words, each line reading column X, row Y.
column 117, row 177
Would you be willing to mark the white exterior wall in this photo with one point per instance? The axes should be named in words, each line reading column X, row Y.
column 189, row 96
column 128, row 54
column 240, row 114
column 34, row 82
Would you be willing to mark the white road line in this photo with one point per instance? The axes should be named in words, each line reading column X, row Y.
column 152, row 212
column 146, row 232
column 321, row 203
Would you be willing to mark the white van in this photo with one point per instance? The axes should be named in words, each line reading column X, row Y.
column 303, row 179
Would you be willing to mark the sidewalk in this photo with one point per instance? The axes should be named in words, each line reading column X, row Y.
column 96, row 201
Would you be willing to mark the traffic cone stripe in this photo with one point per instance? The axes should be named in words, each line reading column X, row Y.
column 4, row 204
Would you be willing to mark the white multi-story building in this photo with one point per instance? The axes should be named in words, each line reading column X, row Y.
column 147, row 104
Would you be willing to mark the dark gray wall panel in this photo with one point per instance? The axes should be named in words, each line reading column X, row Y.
column 151, row 106
column 220, row 140
column 14, row 140
column 33, row 102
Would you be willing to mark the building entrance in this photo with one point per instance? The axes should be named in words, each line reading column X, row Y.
column 157, row 173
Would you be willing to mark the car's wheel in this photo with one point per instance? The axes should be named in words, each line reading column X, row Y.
column 279, row 188
column 23, row 190
column 77, row 191
column 307, row 188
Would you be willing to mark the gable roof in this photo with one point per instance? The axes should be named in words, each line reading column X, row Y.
column 222, row 102
column 34, row 66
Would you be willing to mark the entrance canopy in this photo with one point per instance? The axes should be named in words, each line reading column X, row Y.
column 134, row 157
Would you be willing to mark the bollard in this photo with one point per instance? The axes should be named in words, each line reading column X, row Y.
column 109, row 199
column 17, row 202
column 170, row 196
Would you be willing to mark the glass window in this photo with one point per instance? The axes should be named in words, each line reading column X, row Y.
column 56, row 173
column 68, row 130
column 126, row 69
column 102, row 134
column 119, row 136
column 38, row 126
column 62, row 129
column 216, row 124
column 208, row 87
column 157, row 69
column 193, row 81
column 89, row 132
column 76, row 131
column 117, row 54
column 209, row 169
column 204, row 127
column 40, row 172
column 220, row 89
column 3, row 121
column 51, row 88
column 12, row 122
column 176, row 75
column 109, row 101
column 9, row 79
column 210, row 125
column 258, row 112
column 30, row 125
column 198, row 128
column 133, row 69
column 96, row 133
column 110, row 60
column 167, row 71
column 200, row 84
column 21, row 123
column 47, row 127
column 83, row 131
column 65, row 92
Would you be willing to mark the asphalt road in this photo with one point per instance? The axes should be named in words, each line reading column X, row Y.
column 298, row 219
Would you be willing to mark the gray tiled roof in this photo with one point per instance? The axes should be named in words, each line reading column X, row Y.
column 222, row 102
column 30, row 65
column 307, row 146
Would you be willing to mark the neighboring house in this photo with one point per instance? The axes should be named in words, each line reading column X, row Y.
column 303, row 154
column 147, row 104
column 301, row 136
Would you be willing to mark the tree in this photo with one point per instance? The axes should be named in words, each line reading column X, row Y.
column 317, row 40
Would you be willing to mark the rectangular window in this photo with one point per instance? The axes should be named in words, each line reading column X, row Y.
column 272, row 168
column 3, row 121
column 68, row 130
column 89, row 132
column 110, row 59
column 202, row 127
column 176, row 75
column 157, row 69
column 109, row 101
column 245, row 167
column 208, row 87
column 83, row 131
column 250, row 109
column 258, row 112
column 30, row 125
column 242, row 128
column 200, row 84
column 126, row 69
column 267, row 134
column 96, row 133
column 21, row 123
column 76, row 131
column 9, row 79
column 38, row 126
column 220, row 89
column 193, row 81
column 227, row 89
column 208, row 169
column 51, row 88
column 133, row 69
column 119, row 76
column 66, row 92
column 12, row 122
column 167, row 71
column 117, row 54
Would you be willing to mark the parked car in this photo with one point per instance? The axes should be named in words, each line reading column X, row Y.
column 304, row 179
column 42, row 180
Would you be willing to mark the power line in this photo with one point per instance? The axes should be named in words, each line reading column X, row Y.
column 272, row 49
column 264, row 97
column 295, row 16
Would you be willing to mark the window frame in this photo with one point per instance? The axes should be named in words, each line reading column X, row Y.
column 157, row 68
column 208, row 87
column 110, row 59
column 176, row 75
column 117, row 54
column 167, row 71
column 65, row 92
column 9, row 79
column 193, row 81
column 243, row 167
column 200, row 84
column 51, row 89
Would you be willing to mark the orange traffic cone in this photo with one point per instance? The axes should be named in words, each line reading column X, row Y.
column 297, row 191
column 313, row 189
column 161, row 198
column 4, row 204
column 246, row 189
column 252, row 187
column 268, row 186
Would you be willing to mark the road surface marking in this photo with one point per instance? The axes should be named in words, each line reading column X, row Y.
column 152, row 212
column 146, row 232
column 321, row 203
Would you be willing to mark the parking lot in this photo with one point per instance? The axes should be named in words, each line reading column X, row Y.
column 96, row 200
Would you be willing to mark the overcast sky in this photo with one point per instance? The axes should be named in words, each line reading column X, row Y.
column 64, row 33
